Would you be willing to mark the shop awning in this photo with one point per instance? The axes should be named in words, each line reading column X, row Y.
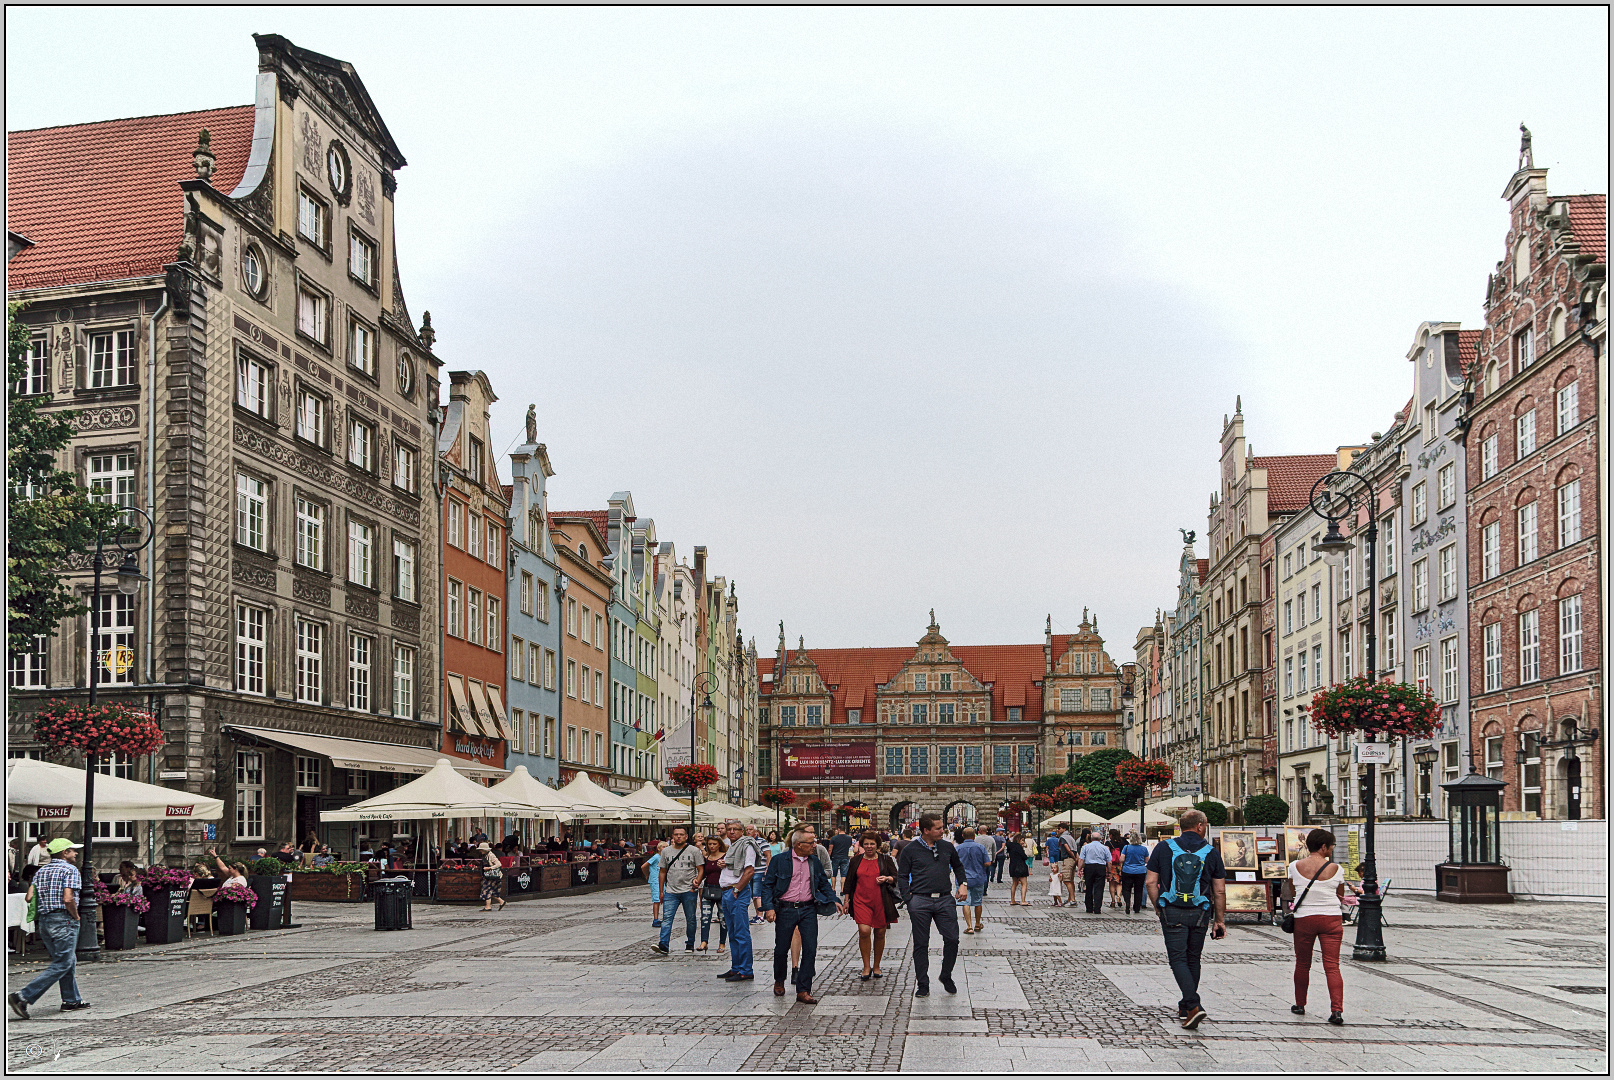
column 499, row 721
column 484, row 715
column 369, row 756
column 46, row 793
column 460, row 715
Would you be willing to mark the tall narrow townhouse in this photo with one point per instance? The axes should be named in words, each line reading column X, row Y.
column 646, row 639
column 475, row 583
column 1533, row 455
column 535, row 617
column 1185, row 726
column 1304, row 591
column 586, row 581
column 624, row 704
column 217, row 295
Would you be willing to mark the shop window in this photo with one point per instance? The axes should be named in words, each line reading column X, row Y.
column 248, row 795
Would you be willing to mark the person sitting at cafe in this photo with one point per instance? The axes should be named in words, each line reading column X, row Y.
column 323, row 857
column 128, row 879
column 204, row 876
column 287, row 852
column 229, row 873
column 310, row 843
column 366, row 851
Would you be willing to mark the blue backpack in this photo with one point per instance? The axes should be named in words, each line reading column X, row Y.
column 1186, row 870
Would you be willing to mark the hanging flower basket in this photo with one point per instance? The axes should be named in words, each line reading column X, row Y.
column 694, row 777
column 1041, row 802
column 1019, row 806
column 818, row 806
column 1390, row 708
column 1071, row 794
column 103, row 729
column 1141, row 772
column 854, row 810
column 776, row 796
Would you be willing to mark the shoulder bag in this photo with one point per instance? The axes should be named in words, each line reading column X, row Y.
column 1288, row 923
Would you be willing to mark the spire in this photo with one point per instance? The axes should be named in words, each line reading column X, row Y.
column 202, row 157
column 1238, row 404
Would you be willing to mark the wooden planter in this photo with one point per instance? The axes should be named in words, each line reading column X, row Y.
column 330, row 888
column 271, row 892
column 1472, row 884
column 465, row 884
column 232, row 916
column 122, row 926
column 554, row 876
column 165, row 922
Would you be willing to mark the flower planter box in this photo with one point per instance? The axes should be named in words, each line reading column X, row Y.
column 165, row 922
column 231, row 915
column 122, row 926
column 554, row 876
column 271, row 897
column 465, row 884
column 331, row 888
column 610, row 871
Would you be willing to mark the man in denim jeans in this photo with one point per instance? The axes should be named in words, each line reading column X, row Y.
column 739, row 865
column 56, row 888
column 680, row 862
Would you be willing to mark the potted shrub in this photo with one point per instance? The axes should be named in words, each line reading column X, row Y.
column 231, row 903
column 168, row 894
column 267, row 878
column 120, row 916
column 337, row 882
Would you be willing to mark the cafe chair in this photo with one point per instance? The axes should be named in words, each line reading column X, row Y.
column 200, row 906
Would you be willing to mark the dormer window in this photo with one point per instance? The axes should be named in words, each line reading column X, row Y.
column 473, row 460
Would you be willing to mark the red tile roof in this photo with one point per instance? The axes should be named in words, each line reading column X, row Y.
column 101, row 201
column 1203, row 566
column 1588, row 222
column 600, row 519
column 1468, row 348
column 1290, row 479
column 509, row 492
column 856, row 673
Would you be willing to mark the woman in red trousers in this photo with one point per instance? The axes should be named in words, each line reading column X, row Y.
column 1316, row 885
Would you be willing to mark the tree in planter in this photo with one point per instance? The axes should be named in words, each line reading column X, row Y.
column 1096, row 772
column 1214, row 812
column 1265, row 810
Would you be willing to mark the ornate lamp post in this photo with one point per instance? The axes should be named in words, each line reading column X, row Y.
column 1333, row 497
column 125, row 542
column 1425, row 757
column 705, row 683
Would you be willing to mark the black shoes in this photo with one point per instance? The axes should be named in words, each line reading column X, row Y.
column 77, row 1005
column 1298, row 1010
column 659, row 948
column 793, row 972
column 734, row 978
column 18, row 1005
column 689, row 948
column 948, row 984
column 1336, row 1019
column 726, row 974
column 922, row 990
column 1194, row 1017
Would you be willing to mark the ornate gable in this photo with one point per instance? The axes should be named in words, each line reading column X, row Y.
column 932, row 660
column 339, row 83
column 1084, row 654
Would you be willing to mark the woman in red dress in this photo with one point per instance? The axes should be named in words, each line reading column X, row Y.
column 870, row 887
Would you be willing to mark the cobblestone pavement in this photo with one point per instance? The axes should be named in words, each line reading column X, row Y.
column 570, row 984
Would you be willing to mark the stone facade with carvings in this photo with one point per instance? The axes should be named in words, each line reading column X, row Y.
column 248, row 373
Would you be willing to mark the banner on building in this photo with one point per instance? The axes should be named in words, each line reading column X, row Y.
column 826, row 761
column 674, row 751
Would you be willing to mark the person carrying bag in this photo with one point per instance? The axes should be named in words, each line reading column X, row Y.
column 1317, row 918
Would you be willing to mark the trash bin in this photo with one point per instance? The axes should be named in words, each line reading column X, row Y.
column 392, row 896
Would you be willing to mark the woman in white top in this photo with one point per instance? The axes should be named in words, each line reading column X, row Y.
column 1316, row 884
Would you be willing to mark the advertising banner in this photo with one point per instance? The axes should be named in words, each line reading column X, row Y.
column 826, row 761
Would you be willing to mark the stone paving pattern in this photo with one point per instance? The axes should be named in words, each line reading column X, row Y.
column 571, row 984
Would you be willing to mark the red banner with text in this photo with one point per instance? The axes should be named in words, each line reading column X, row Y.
column 826, row 761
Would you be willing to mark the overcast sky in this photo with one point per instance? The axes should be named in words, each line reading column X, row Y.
column 897, row 309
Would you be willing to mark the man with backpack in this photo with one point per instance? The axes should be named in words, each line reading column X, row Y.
column 1187, row 886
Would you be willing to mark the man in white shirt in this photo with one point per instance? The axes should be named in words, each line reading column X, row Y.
column 740, row 864
column 1095, row 859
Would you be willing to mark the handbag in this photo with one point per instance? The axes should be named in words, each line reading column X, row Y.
column 712, row 894
column 1288, row 923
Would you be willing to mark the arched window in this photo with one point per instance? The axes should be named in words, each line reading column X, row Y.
column 1558, row 326
column 1521, row 262
column 1491, row 380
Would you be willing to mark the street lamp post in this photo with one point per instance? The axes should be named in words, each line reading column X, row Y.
column 705, row 681
column 116, row 531
column 1340, row 493
column 1425, row 757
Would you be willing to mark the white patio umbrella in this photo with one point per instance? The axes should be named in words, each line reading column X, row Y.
column 43, row 791
column 650, row 801
column 759, row 814
column 534, row 797
column 1129, row 820
column 720, row 811
column 1179, row 803
column 1073, row 817
column 439, row 794
column 589, row 800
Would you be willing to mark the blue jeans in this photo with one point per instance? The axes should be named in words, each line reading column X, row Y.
column 59, row 932
column 790, row 918
column 670, row 903
column 838, row 866
column 737, row 915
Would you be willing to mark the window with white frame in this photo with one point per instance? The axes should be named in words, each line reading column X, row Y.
column 1569, row 514
column 1100, row 698
column 1303, row 668
column 495, row 625
column 250, row 642
column 599, row 631
column 1448, row 572
column 251, row 511
column 361, row 348
column 1568, row 406
column 1316, row 669
column 1288, row 676
column 456, row 523
column 549, row 669
column 518, row 660
column 1288, row 616
column 475, row 463
column 1493, row 756
column 526, row 593
column 474, row 533
column 403, row 681
column 112, row 479
column 361, row 259
column 549, row 736
column 313, row 315
column 571, row 681
column 1391, row 790
column 1569, row 635
column 360, row 561
column 311, row 417
column 1288, row 565
column 1317, row 601
column 1420, row 502
column 1529, row 646
column 1488, row 458
column 1300, row 614
column 117, row 631
column 1527, row 533
column 358, row 671
column 456, row 615
column 1388, row 659
column 1387, row 527
column 1070, row 698
column 1446, row 486
column 1530, row 779
column 1430, row 429
column 253, row 385
column 112, row 359
column 313, row 220
column 1420, row 667
column 310, row 534
column 542, row 614
column 1491, row 651
column 1490, row 550
column 571, row 617
column 310, row 661
column 1450, row 767
column 358, row 782
column 599, row 689
column 403, row 467
column 1346, row 657
column 1420, row 584
column 361, row 444
column 473, row 616
column 535, row 664
column 29, row 669
column 403, row 569
column 309, row 771
column 248, row 795
column 1525, row 434
column 36, row 375
column 495, row 545
column 1524, row 349
column 518, row 723
column 1449, row 660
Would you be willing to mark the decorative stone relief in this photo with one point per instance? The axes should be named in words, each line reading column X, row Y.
column 310, row 592
column 322, row 473
column 312, row 144
column 257, row 576
column 363, row 607
column 108, row 418
column 407, row 621
column 364, row 197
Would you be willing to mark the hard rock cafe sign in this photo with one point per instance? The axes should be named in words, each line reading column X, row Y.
column 473, row 749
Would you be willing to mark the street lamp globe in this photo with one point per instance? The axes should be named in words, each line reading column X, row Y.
column 129, row 576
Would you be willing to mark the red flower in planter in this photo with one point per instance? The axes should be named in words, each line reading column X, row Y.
column 107, row 727
column 694, row 777
column 1141, row 772
column 1069, row 794
column 1391, row 708
column 1041, row 802
column 818, row 806
column 776, row 797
